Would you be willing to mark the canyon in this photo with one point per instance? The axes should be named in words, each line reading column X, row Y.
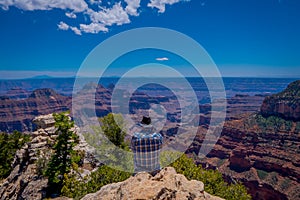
column 260, row 149
column 259, row 144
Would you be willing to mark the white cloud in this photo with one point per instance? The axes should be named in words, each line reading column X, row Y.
column 132, row 7
column 110, row 16
column 74, row 5
column 162, row 59
column 98, row 2
column 75, row 30
column 105, row 17
column 71, row 15
column 63, row 26
column 93, row 28
column 161, row 4
column 101, row 17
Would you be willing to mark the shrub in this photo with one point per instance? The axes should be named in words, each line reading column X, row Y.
column 288, row 125
column 213, row 180
column 112, row 125
column 76, row 189
column 273, row 123
column 297, row 129
column 262, row 174
column 286, row 184
column 9, row 144
column 109, row 143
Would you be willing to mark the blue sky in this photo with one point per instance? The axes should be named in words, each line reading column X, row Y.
column 256, row 38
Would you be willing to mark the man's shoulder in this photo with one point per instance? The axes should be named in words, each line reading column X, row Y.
column 157, row 135
column 143, row 135
column 137, row 135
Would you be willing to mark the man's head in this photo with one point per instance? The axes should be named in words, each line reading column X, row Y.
column 146, row 120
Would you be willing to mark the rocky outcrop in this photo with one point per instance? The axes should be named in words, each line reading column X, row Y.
column 285, row 104
column 26, row 180
column 167, row 184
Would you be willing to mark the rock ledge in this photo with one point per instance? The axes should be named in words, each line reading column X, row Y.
column 165, row 185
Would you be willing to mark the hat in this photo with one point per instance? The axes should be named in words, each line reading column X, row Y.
column 146, row 120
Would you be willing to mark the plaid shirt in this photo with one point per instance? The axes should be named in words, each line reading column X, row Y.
column 146, row 148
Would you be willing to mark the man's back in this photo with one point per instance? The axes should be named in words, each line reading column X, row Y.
column 146, row 147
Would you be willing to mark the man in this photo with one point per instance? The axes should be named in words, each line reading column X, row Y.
column 146, row 147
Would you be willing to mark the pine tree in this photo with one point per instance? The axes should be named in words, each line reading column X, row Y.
column 112, row 125
column 61, row 161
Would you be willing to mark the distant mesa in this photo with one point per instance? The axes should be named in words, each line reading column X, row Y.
column 285, row 104
column 42, row 77
column 42, row 93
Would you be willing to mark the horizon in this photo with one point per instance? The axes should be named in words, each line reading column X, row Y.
column 45, row 77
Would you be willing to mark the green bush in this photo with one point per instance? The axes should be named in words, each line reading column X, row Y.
column 297, row 129
column 273, row 123
column 286, row 184
column 212, row 179
column 107, row 138
column 262, row 174
column 76, row 189
column 261, row 122
column 168, row 157
column 112, row 125
column 288, row 125
column 9, row 144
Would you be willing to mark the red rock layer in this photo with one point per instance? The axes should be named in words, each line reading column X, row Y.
column 266, row 161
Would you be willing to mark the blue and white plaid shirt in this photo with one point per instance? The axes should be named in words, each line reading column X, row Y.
column 146, row 147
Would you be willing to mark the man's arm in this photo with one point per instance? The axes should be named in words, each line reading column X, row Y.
column 132, row 143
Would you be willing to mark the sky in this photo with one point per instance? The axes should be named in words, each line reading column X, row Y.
column 249, row 38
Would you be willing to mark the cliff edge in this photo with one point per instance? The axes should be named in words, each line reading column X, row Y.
column 285, row 104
